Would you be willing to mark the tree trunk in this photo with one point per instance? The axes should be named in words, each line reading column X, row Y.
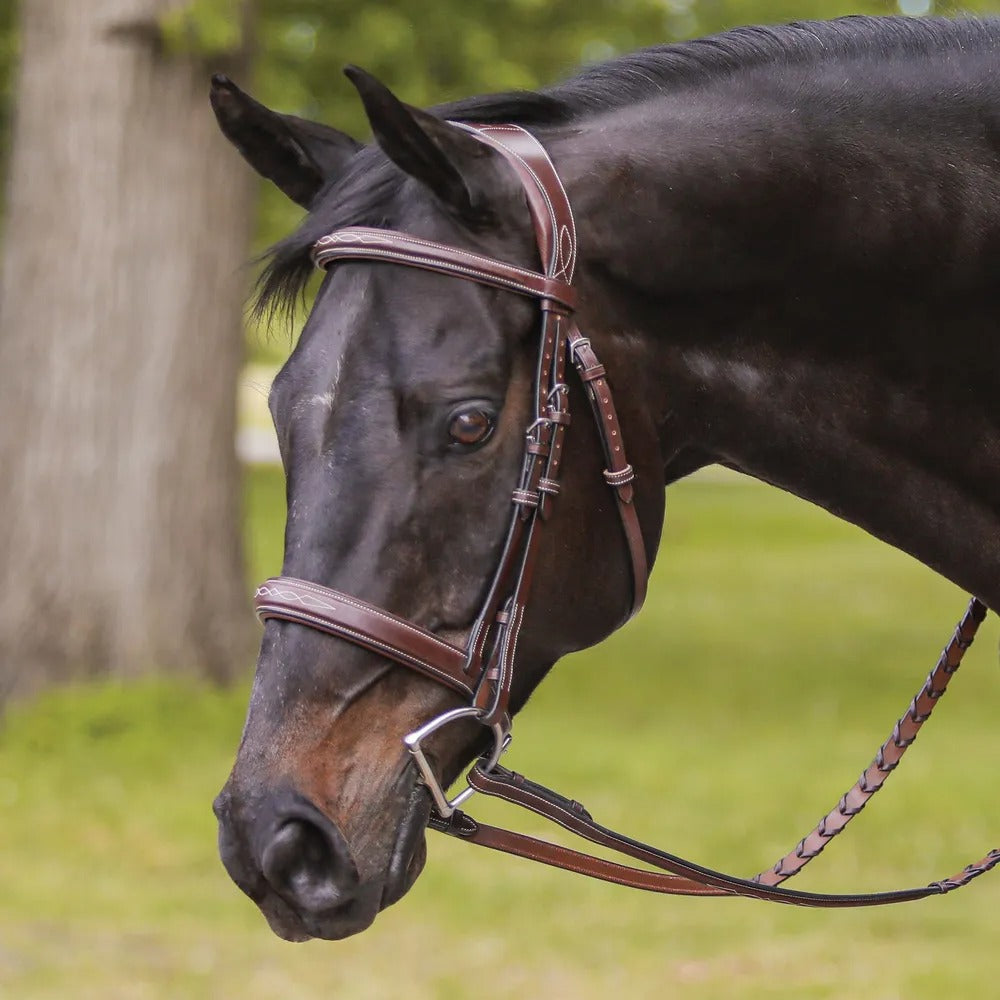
column 121, row 292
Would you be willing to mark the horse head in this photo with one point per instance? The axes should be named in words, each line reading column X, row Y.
column 401, row 418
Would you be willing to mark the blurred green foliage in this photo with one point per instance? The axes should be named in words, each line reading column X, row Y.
column 203, row 27
column 8, row 54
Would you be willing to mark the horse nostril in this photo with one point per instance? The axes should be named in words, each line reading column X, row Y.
column 303, row 864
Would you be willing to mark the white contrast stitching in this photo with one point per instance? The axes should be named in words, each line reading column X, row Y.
column 569, row 266
column 363, row 234
column 447, row 266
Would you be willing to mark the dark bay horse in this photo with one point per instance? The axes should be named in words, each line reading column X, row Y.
column 789, row 263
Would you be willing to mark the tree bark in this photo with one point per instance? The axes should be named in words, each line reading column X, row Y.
column 121, row 291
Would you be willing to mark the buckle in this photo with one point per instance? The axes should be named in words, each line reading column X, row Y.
column 534, row 425
column 444, row 806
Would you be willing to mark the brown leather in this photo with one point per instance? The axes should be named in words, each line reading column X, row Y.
column 682, row 878
column 619, row 474
column 686, row 877
column 362, row 243
column 483, row 671
column 889, row 754
column 350, row 618
column 540, row 463
column 551, row 214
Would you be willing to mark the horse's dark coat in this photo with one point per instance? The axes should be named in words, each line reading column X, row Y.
column 789, row 253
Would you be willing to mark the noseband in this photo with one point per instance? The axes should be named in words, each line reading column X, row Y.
column 482, row 671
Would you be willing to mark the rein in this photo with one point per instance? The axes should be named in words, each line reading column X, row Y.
column 482, row 671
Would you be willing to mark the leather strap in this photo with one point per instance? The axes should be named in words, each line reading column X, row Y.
column 551, row 214
column 292, row 600
column 889, row 754
column 676, row 876
column 619, row 474
column 390, row 246
column 538, row 487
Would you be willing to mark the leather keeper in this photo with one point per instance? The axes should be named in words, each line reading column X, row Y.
column 592, row 373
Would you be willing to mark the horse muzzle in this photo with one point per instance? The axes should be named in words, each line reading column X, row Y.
column 294, row 862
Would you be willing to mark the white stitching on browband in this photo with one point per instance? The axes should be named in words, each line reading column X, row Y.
column 380, row 237
column 364, row 252
column 362, row 233
column 402, row 255
column 566, row 261
column 451, row 267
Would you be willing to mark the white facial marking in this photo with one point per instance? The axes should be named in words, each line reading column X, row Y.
column 325, row 400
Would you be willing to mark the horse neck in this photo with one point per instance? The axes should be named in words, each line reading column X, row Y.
column 804, row 314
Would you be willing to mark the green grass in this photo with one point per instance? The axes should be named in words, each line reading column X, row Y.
column 776, row 650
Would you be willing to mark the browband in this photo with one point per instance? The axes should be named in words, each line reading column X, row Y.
column 362, row 243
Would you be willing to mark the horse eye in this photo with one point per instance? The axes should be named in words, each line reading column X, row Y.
column 470, row 426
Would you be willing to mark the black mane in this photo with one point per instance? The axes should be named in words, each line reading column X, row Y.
column 359, row 196
column 640, row 75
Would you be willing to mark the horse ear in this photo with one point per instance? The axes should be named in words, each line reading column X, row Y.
column 299, row 156
column 439, row 155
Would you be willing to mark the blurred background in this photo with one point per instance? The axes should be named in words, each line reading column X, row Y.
column 140, row 498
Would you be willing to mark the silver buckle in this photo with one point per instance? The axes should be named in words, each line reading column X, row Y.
column 534, row 425
column 444, row 806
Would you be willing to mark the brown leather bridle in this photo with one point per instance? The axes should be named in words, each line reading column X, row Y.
column 482, row 671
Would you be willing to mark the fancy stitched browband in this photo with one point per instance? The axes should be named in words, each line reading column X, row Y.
column 482, row 671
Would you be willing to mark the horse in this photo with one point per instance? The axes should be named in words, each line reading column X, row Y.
column 784, row 261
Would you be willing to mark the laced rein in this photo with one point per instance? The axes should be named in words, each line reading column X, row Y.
column 482, row 671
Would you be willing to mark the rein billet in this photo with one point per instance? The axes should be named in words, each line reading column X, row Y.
column 482, row 671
